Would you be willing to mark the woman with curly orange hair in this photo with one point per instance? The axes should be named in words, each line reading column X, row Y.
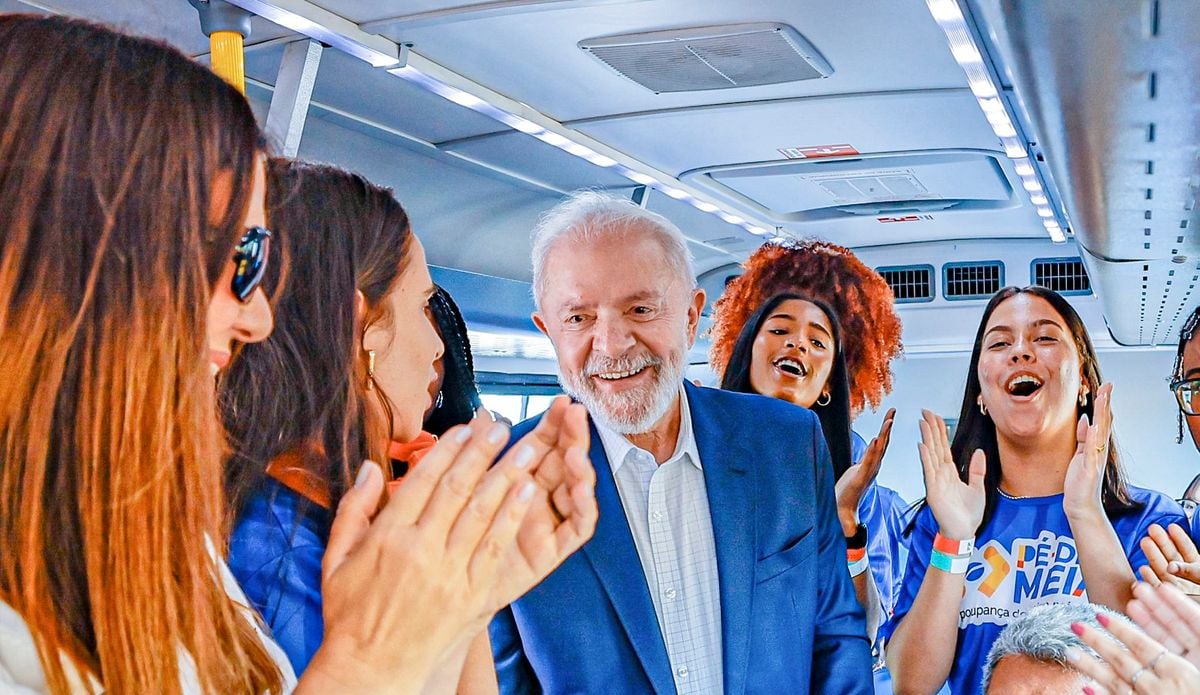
column 819, row 269
column 811, row 324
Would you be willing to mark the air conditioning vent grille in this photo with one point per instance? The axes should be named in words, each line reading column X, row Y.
column 975, row 280
column 910, row 283
column 685, row 60
column 1066, row 276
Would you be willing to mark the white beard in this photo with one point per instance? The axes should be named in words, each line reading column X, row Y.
column 633, row 412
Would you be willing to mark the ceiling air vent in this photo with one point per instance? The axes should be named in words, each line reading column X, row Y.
column 722, row 57
column 910, row 283
column 1065, row 276
column 974, row 280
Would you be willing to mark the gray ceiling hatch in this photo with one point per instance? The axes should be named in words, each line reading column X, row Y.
column 701, row 58
column 879, row 184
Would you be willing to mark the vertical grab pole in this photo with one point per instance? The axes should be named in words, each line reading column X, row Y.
column 227, row 27
column 229, row 58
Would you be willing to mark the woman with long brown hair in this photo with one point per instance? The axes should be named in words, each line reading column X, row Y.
column 128, row 174
column 1029, row 505
column 347, row 375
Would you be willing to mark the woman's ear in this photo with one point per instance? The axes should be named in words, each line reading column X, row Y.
column 360, row 318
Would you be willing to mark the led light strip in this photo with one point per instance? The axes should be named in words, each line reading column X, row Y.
column 424, row 73
column 950, row 18
column 315, row 22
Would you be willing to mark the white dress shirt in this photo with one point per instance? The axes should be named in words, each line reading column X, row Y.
column 667, row 510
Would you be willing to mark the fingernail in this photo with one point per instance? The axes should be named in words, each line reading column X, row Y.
column 1077, row 629
column 524, row 457
column 1087, row 690
column 527, row 491
column 463, row 435
column 1102, row 619
column 497, row 433
column 1172, row 567
column 364, row 474
column 1072, row 654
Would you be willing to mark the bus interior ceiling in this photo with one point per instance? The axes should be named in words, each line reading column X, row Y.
column 1042, row 140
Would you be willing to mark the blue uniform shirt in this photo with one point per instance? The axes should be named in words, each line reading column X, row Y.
column 1024, row 557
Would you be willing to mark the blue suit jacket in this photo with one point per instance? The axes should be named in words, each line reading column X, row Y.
column 789, row 618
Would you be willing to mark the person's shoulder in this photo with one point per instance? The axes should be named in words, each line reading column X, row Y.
column 749, row 405
column 1154, row 502
column 525, row 426
column 278, row 515
column 888, row 496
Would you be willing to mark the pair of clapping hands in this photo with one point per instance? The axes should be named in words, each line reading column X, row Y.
column 1165, row 658
column 407, row 583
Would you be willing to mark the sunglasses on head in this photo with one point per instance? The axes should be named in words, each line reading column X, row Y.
column 250, row 261
column 1187, row 393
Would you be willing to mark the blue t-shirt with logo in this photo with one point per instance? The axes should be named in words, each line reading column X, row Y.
column 1024, row 557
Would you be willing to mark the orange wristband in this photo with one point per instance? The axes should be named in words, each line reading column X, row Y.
column 952, row 547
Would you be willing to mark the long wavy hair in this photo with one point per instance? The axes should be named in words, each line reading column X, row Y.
column 977, row 430
column 304, row 389
column 458, row 398
column 110, row 447
column 834, row 415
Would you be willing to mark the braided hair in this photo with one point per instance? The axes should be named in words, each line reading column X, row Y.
column 458, row 398
column 1185, row 336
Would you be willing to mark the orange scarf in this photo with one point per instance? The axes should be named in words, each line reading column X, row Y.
column 294, row 469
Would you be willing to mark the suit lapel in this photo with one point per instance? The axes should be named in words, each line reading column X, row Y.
column 729, row 479
column 614, row 558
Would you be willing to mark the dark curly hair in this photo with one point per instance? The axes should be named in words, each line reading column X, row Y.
column 859, row 296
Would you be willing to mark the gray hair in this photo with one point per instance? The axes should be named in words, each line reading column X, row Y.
column 589, row 215
column 1044, row 634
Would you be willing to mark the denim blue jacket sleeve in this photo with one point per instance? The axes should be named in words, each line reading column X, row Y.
column 275, row 554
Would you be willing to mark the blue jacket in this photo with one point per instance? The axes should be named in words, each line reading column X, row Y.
column 790, row 621
column 275, row 553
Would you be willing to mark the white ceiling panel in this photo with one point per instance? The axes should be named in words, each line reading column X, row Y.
column 535, row 159
column 533, row 56
column 736, row 134
column 348, row 84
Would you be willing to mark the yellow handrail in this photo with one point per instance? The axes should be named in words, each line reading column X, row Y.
column 229, row 58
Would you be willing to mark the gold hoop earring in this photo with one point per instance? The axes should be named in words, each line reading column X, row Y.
column 370, row 370
column 825, row 402
column 982, row 407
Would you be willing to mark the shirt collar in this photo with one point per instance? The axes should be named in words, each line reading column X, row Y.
column 617, row 446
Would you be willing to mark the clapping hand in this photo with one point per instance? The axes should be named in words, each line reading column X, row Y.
column 957, row 506
column 1136, row 662
column 1173, row 559
column 1085, row 473
column 404, row 586
column 564, row 513
column 854, row 482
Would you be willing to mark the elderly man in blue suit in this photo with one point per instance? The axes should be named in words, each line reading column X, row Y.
column 718, row 565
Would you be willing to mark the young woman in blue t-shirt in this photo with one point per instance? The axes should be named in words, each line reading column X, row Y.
column 1029, row 504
